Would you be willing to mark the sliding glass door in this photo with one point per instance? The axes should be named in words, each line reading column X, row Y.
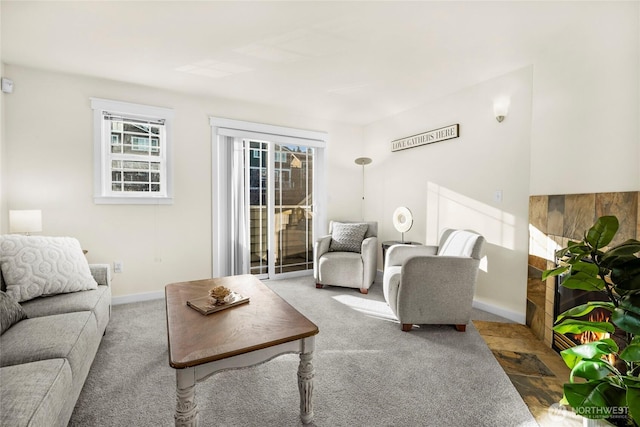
column 280, row 194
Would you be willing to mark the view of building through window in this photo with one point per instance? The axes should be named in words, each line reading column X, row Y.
column 135, row 156
column 292, row 186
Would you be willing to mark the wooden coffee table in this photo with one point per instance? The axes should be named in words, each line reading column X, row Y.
column 240, row 336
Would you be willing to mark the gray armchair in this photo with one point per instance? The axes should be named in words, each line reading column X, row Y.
column 348, row 256
column 433, row 284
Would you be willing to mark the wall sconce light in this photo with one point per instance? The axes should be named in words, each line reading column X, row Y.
column 501, row 108
column 25, row 221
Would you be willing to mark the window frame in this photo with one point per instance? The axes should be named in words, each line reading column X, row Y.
column 103, row 192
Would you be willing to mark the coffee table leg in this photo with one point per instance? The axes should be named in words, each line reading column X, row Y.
column 186, row 407
column 306, row 372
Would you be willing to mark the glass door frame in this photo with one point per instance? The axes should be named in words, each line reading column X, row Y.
column 222, row 129
column 275, row 252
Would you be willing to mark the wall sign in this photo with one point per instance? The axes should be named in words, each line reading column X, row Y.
column 436, row 135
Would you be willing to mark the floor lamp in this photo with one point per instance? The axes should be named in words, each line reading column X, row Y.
column 362, row 161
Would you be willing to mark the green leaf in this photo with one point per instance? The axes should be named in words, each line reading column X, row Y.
column 584, row 282
column 590, row 351
column 626, row 320
column 630, row 302
column 633, row 402
column 631, row 353
column 591, row 370
column 627, row 275
column 631, row 381
column 602, row 232
column 587, row 308
column 608, row 345
column 592, row 398
column 578, row 248
column 588, row 268
column 561, row 252
column 628, row 247
column 554, row 272
column 612, row 261
column 575, row 326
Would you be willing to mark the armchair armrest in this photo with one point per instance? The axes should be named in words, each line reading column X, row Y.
column 369, row 252
column 102, row 273
column 321, row 247
column 398, row 254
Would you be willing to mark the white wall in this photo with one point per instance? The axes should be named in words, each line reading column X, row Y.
column 586, row 106
column 49, row 151
column 452, row 183
column 3, row 207
column 572, row 127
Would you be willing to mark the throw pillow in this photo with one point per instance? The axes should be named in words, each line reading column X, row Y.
column 459, row 243
column 10, row 312
column 34, row 266
column 347, row 237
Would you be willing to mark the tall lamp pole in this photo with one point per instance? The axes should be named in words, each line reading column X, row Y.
column 362, row 161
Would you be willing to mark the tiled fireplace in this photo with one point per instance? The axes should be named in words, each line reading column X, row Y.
column 555, row 219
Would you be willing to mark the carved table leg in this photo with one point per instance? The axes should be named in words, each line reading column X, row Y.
column 306, row 372
column 186, row 407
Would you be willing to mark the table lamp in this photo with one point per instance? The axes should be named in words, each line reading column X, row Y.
column 25, row 221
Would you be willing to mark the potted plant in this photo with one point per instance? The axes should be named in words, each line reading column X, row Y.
column 604, row 391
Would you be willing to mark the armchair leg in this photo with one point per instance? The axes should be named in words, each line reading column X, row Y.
column 364, row 291
column 406, row 327
column 319, row 285
column 461, row 328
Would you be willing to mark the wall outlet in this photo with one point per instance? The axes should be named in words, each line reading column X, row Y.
column 497, row 196
column 118, row 267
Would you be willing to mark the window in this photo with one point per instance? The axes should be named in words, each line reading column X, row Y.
column 132, row 153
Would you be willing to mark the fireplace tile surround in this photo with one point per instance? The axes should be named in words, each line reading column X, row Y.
column 553, row 220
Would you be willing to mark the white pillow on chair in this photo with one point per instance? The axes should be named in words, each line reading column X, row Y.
column 459, row 243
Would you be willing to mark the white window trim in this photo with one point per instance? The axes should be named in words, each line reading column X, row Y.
column 100, row 195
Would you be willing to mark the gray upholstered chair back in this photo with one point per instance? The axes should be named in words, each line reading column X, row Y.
column 477, row 252
column 372, row 231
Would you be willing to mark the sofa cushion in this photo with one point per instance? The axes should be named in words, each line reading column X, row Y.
column 37, row 265
column 34, row 393
column 10, row 312
column 97, row 301
column 347, row 237
column 341, row 269
column 459, row 243
column 72, row 336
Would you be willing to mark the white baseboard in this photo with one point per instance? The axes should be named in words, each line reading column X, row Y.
column 500, row 311
column 146, row 296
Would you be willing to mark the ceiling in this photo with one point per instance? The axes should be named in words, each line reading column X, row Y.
column 354, row 62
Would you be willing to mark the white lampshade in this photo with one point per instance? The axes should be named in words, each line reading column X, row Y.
column 25, row 221
column 402, row 219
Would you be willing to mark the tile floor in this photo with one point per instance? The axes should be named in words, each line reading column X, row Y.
column 536, row 371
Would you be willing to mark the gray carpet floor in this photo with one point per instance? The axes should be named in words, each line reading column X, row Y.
column 368, row 372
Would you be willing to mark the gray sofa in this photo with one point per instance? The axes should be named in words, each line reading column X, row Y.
column 45, row 359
